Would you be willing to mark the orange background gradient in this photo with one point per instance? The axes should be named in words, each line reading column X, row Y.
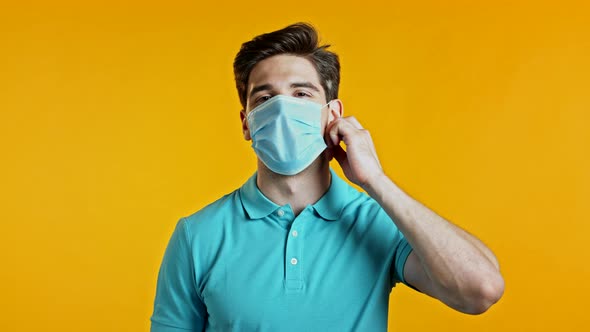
column 119, row 117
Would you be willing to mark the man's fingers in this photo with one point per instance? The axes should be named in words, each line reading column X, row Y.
column 339, row 153
column 340, row 128
column 354, row 122
column 333, row 132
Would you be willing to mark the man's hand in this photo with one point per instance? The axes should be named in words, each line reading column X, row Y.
column 359, row 162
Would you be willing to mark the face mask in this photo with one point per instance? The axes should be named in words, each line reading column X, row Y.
column 286, row 133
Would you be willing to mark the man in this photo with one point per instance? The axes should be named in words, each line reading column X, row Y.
column 296, row 248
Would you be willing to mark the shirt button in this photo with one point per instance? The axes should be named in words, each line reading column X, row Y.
column 294, row 261
column 281, row 213
column 295, row 233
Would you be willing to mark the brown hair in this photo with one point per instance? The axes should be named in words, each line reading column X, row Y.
column 298, row 39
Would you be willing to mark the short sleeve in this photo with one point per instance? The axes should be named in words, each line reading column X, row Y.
column 177, row 306
column 402, row 250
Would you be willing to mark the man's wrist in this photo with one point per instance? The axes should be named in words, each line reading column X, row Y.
column 374, row 184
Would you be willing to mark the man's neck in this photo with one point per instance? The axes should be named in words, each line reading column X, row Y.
column 298, row 190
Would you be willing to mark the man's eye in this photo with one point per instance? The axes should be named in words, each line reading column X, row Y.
column 302, row 94
column 262, row 99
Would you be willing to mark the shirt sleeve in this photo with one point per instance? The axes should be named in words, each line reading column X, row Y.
column 402, row 250
column 177, row 306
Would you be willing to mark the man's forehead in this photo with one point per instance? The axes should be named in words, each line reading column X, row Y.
column 283, row 71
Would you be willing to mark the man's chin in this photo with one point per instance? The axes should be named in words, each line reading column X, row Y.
column 323, row 158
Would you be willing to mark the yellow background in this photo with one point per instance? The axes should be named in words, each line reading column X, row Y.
column 118, row 117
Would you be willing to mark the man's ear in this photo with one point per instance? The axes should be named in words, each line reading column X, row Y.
column 336, row 109
column 245, row 128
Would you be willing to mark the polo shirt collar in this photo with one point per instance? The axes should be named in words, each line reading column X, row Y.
column 329, row 206
column 256, row 204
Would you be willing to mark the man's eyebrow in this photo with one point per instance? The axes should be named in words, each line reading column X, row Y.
column 260, row 88
column 293, row 85
column 305, row 85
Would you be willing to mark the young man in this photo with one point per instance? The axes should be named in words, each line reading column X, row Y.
column 296, row 248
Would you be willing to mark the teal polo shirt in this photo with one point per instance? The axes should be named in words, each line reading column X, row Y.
column 244, row 263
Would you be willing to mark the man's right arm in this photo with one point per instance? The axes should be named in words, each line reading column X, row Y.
column 177, row 306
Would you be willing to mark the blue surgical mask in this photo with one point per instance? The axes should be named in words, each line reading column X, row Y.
column 286, row 133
